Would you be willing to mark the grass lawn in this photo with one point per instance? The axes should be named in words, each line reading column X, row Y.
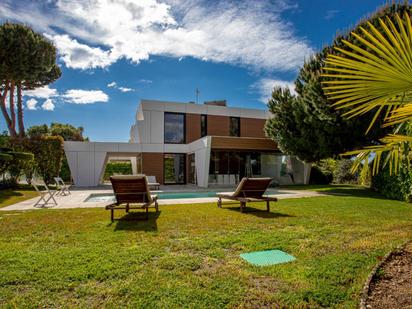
column 188, row 255
column 13, row 196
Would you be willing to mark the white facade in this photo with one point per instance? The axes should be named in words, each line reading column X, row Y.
column 87, row 160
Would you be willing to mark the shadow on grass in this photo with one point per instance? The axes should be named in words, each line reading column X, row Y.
column 257, row 212
column 8, row 194
column 338, row 190
column 136, row 221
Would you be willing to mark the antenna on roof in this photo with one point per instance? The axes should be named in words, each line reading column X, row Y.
column 197, row 95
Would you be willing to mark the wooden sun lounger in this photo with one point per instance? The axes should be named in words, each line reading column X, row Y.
column 131, row 192
column 249, row 190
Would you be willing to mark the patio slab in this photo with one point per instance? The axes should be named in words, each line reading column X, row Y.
column 78, row 197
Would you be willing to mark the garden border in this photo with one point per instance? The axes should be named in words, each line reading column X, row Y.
column 372, row 274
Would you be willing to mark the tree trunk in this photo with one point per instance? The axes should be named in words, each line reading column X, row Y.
column 11, row 107
column 22, row 132
column 4, row 110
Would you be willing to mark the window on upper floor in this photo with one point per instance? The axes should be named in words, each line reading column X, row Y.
column 203, row 125
column 234, row 126
column 174, row 128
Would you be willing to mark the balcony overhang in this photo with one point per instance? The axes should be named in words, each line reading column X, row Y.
column 243, row 143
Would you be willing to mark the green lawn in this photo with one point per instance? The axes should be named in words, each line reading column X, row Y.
column 188, row 256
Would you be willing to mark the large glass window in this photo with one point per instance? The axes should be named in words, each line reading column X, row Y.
column 174, row 168
column 234, row 126
column 175, row 128
column 203, row 125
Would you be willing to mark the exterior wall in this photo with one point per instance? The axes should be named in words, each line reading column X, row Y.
column 192, row 127
column 217, row 125
column 152, row 163
column 252, row 127
column 149, row 126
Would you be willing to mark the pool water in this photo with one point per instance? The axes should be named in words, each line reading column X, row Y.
column 107, row 197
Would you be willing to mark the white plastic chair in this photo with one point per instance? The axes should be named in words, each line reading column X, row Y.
column 62, row 188
column 45, row 195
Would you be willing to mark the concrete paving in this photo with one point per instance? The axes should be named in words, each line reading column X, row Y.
column 78, row 197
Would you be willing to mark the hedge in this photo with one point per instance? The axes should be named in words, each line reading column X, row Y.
column 397, row 187
column 122, row 168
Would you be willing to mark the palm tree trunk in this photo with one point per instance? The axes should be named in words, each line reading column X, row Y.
column 22, row 132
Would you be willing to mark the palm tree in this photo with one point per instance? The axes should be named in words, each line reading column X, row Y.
column 376, row 74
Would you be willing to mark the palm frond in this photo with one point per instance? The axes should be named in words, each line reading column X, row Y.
column 394, row 146
column 375, row 74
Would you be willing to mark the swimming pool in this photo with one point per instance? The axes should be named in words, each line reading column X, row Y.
column 107, row 197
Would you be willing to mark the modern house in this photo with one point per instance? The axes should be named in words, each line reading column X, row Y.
column 185, row 143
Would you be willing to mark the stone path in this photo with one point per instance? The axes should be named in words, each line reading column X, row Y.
column 78, row 197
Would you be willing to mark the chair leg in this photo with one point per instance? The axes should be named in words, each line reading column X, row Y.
column 157, row 206
column 219, row 202
column 242, row 205
column 112, row 214
column 147, row 212
column 268, row 206
column 127, row 207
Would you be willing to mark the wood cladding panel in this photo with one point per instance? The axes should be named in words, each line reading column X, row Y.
column 153, row 165
column 240, row 143
column 217, row 125
column 251, row 127
column 192, row 127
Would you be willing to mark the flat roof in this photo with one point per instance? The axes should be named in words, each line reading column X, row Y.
column 193, row 108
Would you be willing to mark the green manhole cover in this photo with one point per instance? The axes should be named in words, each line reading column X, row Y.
column 267, row 257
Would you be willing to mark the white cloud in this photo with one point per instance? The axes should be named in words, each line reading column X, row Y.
column 41, row 93
column 125, row 89
column 48, row 105
column 122, row 89
column 81, row 56
column 78, row 96
column 265, row 87
column 31, row 104
column 98, row 33
column 330, row 14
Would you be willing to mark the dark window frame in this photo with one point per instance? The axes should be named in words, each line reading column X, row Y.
column 201, row 127
column 184, row 128
column 230, row 126
column 184, row 168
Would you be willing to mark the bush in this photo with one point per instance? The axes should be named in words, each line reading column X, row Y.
column 65, row 173
column 14, row 163
column 317, row 177
column 398, row 187
column 343, row 173
column 122, row 168
column 48, row 154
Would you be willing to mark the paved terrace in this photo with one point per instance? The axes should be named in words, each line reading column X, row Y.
column 78, row 196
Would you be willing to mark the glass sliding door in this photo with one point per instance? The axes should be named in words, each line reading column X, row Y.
column 174, row 168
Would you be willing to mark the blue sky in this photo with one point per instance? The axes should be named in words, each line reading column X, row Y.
column 115, row 53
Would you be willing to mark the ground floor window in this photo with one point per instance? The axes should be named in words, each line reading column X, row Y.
column 174, row 168
column 229, row 167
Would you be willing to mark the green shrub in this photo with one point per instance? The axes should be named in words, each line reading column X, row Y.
column 48, row 154
column 14, row 164
column 398, row 187
column 365, row 176
column 342, row 174
column 65, row 173
column 122, row 168
column 317, row 177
